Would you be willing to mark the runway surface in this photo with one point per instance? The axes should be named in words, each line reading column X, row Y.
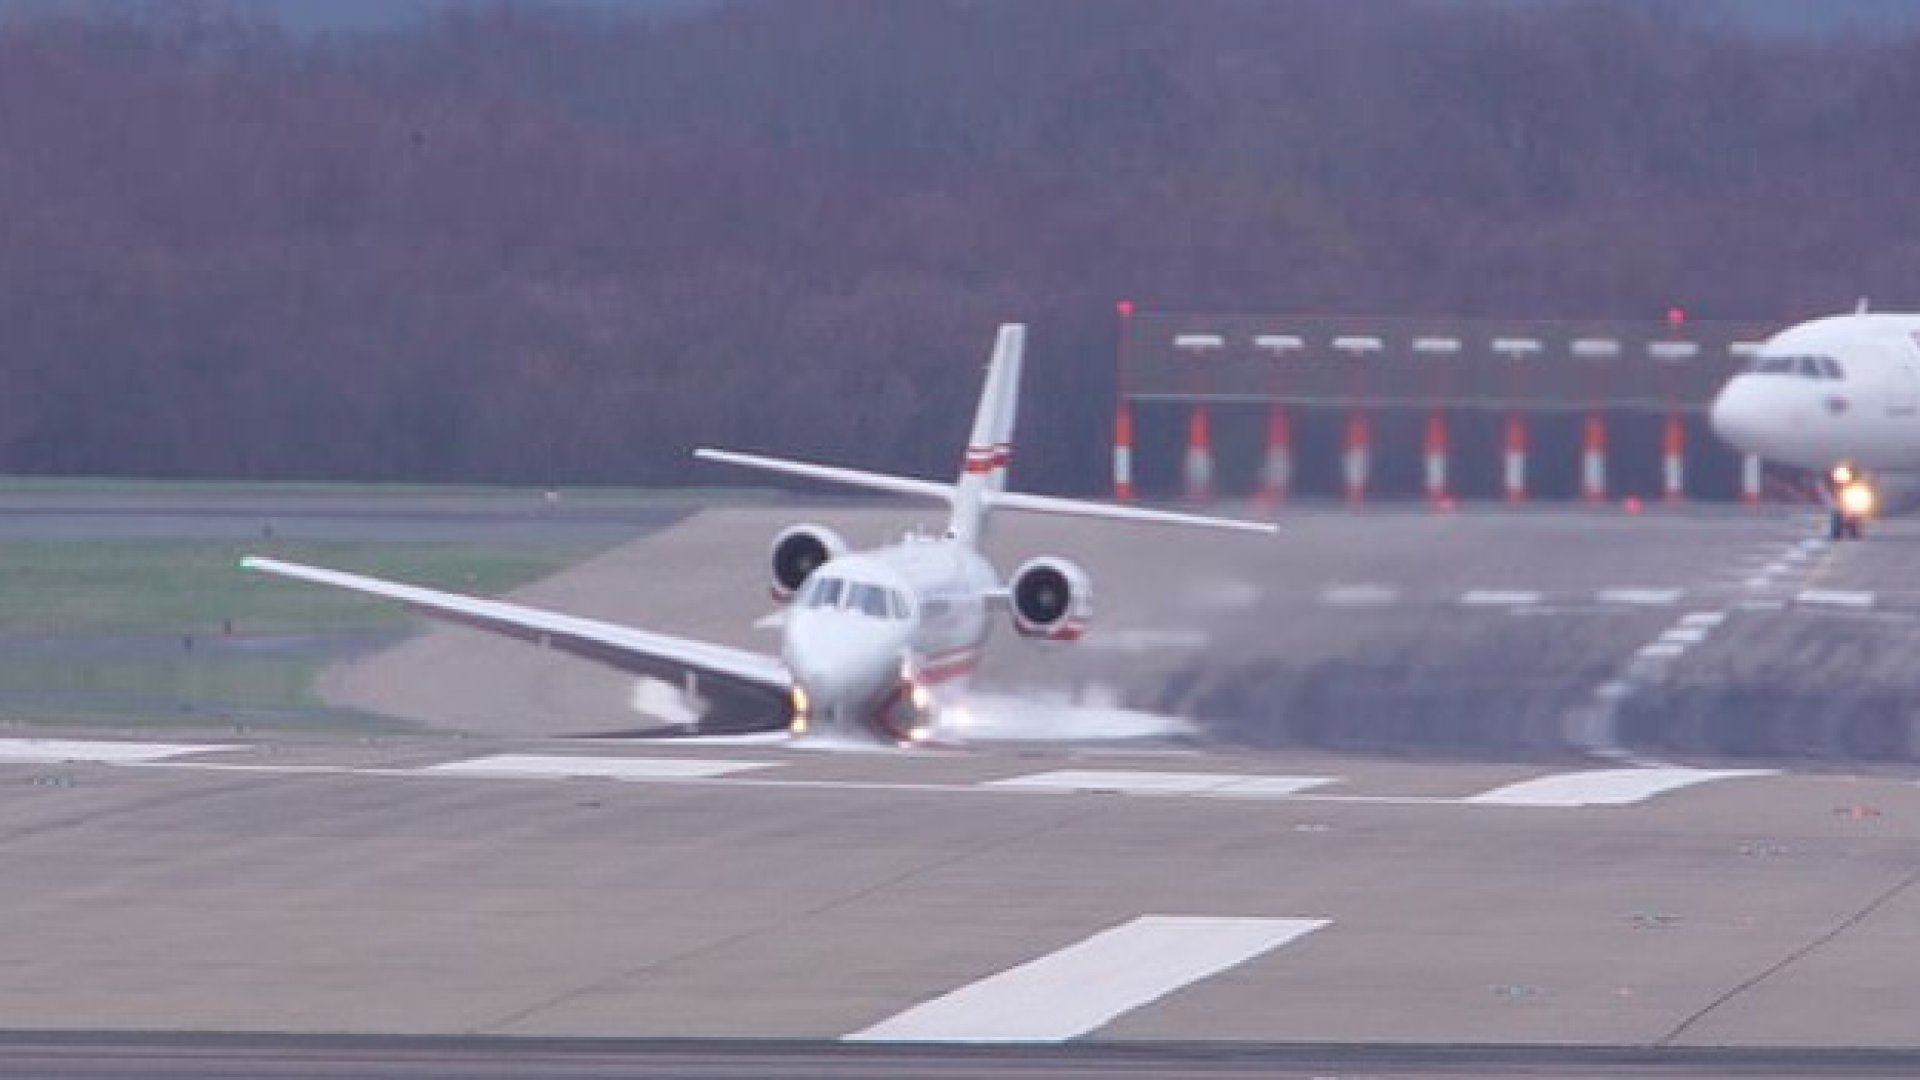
column 1461, row 781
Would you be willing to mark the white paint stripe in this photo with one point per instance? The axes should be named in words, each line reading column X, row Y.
column 1127, row 782
column 1088, row 984
column 1776, row 569
column 1496, row 598
column 1640, row 597
column 1704, row 618
column 1836, row 598
column 565, row 767
column 1605, row 787
column 58, row 751
column 1661, row 650
column 1685, row 635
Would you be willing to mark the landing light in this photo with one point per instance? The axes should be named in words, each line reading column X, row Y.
column 1856, row 500
column 798, row 725
column 1842, row 475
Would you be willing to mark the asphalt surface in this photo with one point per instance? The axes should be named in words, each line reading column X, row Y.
column 1483, row 634
column 1511, row 880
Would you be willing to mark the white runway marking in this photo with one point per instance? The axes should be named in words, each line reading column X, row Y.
column 1087, row 985
column 1605, row 787
column 1640, row 597
column 1836, row 598
column 567, row 767
column 58, row 751
column 1128, row 782
column 1704, row 618
column 1499, row 598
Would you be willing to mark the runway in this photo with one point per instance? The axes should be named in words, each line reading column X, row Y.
column 1533, row 872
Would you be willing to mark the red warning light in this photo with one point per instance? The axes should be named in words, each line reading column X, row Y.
column 1676, row 317
column 1125, row 308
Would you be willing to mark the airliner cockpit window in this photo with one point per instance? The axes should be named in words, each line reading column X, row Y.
column 1805, row 367
column 822, row 592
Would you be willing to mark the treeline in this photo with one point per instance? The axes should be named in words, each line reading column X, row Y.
column 546, row 245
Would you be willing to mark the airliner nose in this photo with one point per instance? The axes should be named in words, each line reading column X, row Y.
column 1737, row 413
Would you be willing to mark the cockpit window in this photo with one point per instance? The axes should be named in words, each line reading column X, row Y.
column 876, row 601
column 1804, row 367
column 821, row 591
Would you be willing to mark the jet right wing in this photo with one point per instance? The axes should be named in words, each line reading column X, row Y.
column 743, row 690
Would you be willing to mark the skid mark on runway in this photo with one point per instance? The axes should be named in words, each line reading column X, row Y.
column 570, row 767
column 1087, row 985
column 1126, row 782
column 63, row 751
column 1605, row 787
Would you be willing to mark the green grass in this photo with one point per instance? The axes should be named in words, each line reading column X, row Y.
column 174, row 633
column 141, row 587
column 131, row 486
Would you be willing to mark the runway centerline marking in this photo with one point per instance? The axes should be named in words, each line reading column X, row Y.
column 1087, row 985
column 569, row 767
column 1499, row 598
column 1640, row 597
column 1130, row 782
column 1836, row 598
column 102, row 752
column 1606, row 787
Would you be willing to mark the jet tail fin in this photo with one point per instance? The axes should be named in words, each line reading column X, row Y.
column 990, row 444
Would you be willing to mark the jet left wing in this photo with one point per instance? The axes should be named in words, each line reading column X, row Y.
column 742, row 690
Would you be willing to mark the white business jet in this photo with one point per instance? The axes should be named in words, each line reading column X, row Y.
column 872, row 640
column 1840, row 396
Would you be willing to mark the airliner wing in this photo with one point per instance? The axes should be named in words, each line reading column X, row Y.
column 899, row 485
column 1048, row 504
column 999, row 500
column 744, row 690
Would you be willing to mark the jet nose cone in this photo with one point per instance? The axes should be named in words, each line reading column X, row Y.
column 1736, row 414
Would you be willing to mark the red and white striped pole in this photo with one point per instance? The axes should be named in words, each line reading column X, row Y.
column 1750, row 479
column 1356, row 461
column 1199, row 462
column 1276, row 476
column 1673, row 460
column 1514, row 470
column 1436, row 458
column 1123, row 453
column 1593, row 460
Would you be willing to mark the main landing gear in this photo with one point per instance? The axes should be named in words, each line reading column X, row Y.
column 1850, row 502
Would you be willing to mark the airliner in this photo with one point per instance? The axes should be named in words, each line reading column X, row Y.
column 872, row 641
column 1838, row 395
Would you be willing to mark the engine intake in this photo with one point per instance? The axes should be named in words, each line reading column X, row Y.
column 1051, row 598
column 799, row 550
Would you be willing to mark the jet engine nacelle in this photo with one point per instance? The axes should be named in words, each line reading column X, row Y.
column 1051, row 598
column 798, row 551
